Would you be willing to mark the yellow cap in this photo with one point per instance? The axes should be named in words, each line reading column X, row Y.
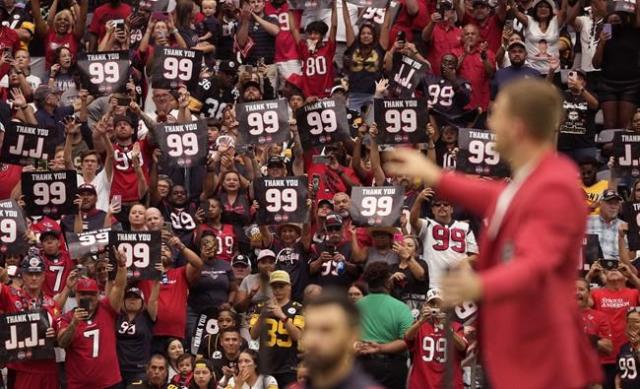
column 280, row 276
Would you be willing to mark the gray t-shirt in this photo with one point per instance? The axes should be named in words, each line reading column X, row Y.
column 250, row 282
column 390, row 257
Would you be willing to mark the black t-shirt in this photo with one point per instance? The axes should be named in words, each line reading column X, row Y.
column 211, row 289
column 621, row 58
column 134, row 341
column 295, row 261
column 329, row 274
column 363, row 69
column 628, row 366
column 220, row 359
column 225, row 48
column 264, row 43
column 411, row 288
column 579, row 127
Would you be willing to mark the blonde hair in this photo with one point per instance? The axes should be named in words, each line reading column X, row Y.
column 537, row 103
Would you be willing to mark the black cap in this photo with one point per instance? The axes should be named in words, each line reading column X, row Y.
column 87, row 188
column 241, row 260
column 325, row 201
column 229, row 67
column 32, row 264
column 275, row 160
column 122, row 118
column 250, row 83
column 610, row 194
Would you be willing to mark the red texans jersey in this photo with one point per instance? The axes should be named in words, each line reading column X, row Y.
column 596, row 323
column 285, row 44
column 57, row 270
column 226, row 239
column 614, row 304
column 429, row 351
column 125, row 182
column 317, row 68
column 174, row 289
column 92, row 361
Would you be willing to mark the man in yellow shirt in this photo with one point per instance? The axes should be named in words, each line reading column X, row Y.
column 592, row 187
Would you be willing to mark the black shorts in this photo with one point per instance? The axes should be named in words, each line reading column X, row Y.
column 613, row 90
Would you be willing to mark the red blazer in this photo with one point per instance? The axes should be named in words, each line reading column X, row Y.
column 529, row 323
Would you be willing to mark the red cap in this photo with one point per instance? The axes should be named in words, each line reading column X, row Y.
column 87, row 285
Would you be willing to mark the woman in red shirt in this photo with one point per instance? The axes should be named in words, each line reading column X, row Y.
column 60, row 30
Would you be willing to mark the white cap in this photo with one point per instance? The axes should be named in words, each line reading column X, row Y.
column 265, row 254
column 434, row 293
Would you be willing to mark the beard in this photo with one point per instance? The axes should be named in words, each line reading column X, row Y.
column 320, row 364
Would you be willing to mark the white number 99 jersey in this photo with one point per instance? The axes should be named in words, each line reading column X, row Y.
column 445, row 246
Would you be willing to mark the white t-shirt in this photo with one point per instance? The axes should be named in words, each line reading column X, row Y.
column 263, row 382
column 103, row 187
column 537, row 54
column 445, row 246
column 32, row 80
column 588, row 41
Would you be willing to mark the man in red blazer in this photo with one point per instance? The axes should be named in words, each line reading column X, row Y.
column 529, row 322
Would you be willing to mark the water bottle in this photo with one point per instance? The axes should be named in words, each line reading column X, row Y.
column 340, row 268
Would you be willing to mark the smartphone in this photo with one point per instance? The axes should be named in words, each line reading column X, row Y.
column 315, row 183
column 82, row 271
column 260, row 62
column 118, row 24
column 607, row 28
column 8, row 52
column 116, row 201
column 12, row 270
column 167, row 227
column 84, row 304
column 204, row 205
column 124, row 101
column 573, row 76
column 401, row 37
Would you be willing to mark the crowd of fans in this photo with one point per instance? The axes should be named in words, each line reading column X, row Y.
column 228, row 309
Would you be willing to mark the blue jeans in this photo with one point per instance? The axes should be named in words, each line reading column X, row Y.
column 357, row 101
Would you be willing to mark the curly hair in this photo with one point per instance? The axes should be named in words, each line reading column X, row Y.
column 377, row 274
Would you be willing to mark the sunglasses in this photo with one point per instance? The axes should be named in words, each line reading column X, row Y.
column 334, row 229
column 440, row 204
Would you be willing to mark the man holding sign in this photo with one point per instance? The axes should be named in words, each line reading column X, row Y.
column 42, row 373
column 88, row 333
column 528, row 252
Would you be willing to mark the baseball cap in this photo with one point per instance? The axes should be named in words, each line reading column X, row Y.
column 480, row 2
column 266, row 254
column 134, row 290
column 297, row 226
column 229, row 67
column 32, row 264
column 610, row 194
column 49, row 232
column 333, row 220
column 241, row 260
column 85, row 284
column 275, row 160
column 250, row 83
column 121, row 118
column 325, row 201
column 517, row 43
column 87, row 188
column 28, row 26
column 280, row 276
column 434, row 293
